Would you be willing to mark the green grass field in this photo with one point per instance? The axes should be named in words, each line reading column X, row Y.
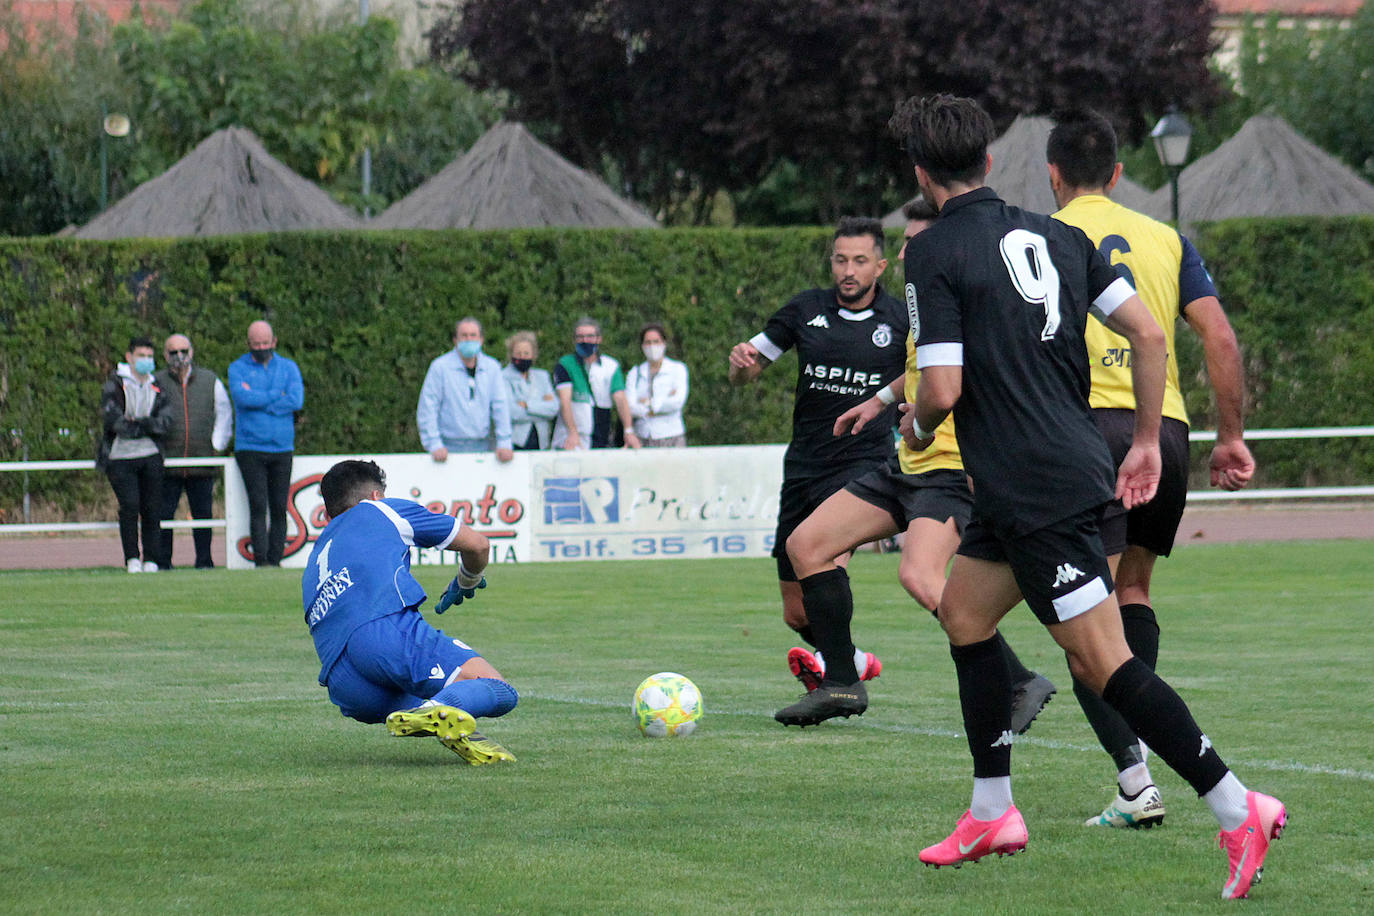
column 165, row 748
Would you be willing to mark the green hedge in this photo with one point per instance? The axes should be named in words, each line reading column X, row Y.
column 1300, row 294
column 364, row 313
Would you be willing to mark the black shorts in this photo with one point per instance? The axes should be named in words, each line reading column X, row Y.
column 799, row 498
column 1061, row 569
column 1153, row 525
column 941, row 495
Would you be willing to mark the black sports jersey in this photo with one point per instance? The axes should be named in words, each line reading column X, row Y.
column 843, row 358
column 1005, row 293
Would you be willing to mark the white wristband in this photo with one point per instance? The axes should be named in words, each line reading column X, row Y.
column 920, row 433
column 885, row 395
column 467, row 579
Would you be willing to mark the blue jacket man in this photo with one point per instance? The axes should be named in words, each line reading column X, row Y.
column 463, row 405
column 267, row 390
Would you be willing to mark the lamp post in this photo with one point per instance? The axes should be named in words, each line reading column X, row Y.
column 1172, row 135
column 111, row 125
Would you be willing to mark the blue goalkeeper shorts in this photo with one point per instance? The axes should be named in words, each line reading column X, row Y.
column 394, row 662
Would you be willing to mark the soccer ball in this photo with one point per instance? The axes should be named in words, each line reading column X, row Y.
column 667, row 705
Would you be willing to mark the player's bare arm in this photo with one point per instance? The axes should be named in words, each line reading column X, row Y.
column 1138, row 477
column 857, row 417
column 474, row 549
column 746, row 363
column 1232, row 465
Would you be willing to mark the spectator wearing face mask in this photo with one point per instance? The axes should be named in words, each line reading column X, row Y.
column 463, row 406
column 200, row 422
column 657, row 390
column 533, row 405
column 133, row 413
column 267, row 390
column 590, row 387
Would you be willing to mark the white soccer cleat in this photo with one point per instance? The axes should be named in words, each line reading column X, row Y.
column 1145, row 810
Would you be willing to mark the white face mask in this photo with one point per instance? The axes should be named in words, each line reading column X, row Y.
column 654, row 352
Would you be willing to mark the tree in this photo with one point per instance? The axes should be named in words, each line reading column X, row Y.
column 1321, row 81
column 50, row 110
column 316, row 93
column 761, row 96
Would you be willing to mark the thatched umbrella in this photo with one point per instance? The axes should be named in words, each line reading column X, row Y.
column 227, row 185
column 1267, row 169
column 510, row 180
column 1019, row 176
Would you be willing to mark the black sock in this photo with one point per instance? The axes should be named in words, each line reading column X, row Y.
column 985, row 699
column 1112, row 731
column 807, row 636
column 1160, row 717
column 830, row 607
column 1019, row 672
column 1142, row 632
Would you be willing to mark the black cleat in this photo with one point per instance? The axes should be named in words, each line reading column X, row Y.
column 825, row 702
column 1027, row 699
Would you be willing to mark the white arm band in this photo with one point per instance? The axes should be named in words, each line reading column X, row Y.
column 885, row 395
column 467, row 579
column 920, row 433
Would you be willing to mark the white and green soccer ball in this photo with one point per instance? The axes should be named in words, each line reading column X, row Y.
column 667, row 705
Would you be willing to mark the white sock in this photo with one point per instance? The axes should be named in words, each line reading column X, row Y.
column 991, row 798
column 1228, row 802
column 860, row 661
column 1134, row 779
column 820, row 660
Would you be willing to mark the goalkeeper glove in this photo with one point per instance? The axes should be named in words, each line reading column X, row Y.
column 464, row 585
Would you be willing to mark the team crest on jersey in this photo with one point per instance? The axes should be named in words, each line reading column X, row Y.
column 911, row 311
column 882, row 335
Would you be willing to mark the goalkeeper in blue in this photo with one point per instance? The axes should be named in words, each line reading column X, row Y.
column 380, row 660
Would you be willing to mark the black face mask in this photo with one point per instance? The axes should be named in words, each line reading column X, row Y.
column 522, row 365
column 262, row 356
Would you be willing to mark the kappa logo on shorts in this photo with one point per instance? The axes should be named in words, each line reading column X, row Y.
column 1065, row 574
column 820, row 321
column 1006, row 739
column 882, row 335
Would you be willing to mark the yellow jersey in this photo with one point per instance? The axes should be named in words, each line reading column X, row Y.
column 1165, row 270
column 943, row 453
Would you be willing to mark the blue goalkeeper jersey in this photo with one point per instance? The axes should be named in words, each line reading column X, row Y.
column 360, row 569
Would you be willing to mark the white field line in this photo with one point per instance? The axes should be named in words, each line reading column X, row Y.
column 1275, row 766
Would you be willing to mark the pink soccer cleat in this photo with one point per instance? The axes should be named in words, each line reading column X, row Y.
column 972, row 839
column 872, row 668
column 1247, row 845
column 805, row 667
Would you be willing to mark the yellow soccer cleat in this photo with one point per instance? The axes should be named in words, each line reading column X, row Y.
column 476, row 748
column 447, row 723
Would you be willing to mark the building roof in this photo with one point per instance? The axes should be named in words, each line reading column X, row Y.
column 1267, row 169
column 228, row 184
column 511, row 180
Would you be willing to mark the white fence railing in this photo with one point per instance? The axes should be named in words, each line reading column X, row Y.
column 1256, row 435
column 45, row 527
column 1252, row 435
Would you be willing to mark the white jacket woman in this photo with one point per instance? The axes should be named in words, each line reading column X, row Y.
column 657, row 391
